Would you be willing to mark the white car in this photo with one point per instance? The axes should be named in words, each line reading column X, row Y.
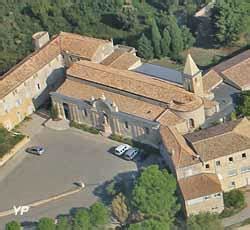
column 131, row 153
column 121, row 149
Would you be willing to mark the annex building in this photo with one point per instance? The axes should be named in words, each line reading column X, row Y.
column 94, row 82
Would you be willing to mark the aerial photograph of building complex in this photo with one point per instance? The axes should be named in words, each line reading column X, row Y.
column 124, row 115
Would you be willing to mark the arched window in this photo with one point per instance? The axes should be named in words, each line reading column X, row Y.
column 191, row 123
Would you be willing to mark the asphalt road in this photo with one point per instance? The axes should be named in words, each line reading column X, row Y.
column 70, row 156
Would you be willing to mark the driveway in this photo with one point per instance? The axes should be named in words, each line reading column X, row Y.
column 70, row 156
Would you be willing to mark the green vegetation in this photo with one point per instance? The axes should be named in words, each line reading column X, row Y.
column 204, row 221
column 54, row 112
column 234, row 202
column 234, row 199
column 46, row 224
column 13, row 225
column 84, row 127
column 243, row 107
column 8, row 140
column 94, row 218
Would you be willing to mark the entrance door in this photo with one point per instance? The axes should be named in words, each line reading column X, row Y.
column 66, row 111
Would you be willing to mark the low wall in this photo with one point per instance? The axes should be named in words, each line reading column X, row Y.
column 13, row 151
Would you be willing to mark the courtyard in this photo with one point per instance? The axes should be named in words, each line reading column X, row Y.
column 70, row 156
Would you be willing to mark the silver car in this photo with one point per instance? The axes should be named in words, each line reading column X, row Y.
column 131, row 153
column 37, row 150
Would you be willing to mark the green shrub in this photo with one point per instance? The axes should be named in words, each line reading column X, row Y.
column 84, row 127
column 13, row 225
column 235, row 198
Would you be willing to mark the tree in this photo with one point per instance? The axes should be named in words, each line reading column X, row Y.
column 81, row 220
column 46, row 224
column 63, row 224
column 13, row 225
column 228, row 20
column 154, row 195
column 119, row 208
column 244, row 103
column 145, row 49
column 234, row 199
column 150, row 224
column 188, row 39
column 165, row 43
column 175, row 33
column 204, row 221
column 98, row 214
column 156, row 38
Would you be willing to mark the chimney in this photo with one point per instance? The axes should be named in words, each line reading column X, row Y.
column 39, row 39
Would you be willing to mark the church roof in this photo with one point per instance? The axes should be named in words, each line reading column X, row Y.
column 190, row 68
column 138, row 84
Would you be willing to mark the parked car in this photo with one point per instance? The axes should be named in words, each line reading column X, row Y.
column 38, row 150
column 121, row 149
column 131, row 153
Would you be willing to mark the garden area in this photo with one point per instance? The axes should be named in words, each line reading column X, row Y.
column 8, row 140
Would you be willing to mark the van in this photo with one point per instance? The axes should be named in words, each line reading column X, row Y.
column 121, row 149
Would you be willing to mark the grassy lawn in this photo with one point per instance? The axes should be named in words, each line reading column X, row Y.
column 8, row 140
column 204, row 58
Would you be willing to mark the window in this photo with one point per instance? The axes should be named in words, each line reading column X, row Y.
column 245, row 169
column 232, row 184
column 217, row 195
column 207, row 166
column 191, row 123
column 38, row 86
column 146, row 130
column 244, row 155
column 207, row 197
column 231, row 159
column 232, row 172
column 126, row 124
column 85, row 112
column 217, row 163
column 18, row 102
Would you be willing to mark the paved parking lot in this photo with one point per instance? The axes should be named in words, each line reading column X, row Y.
column 70, row 156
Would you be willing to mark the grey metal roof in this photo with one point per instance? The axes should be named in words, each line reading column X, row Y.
column 160, row 72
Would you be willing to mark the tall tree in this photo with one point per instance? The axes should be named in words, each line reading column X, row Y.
column 154, row 195
column 165, row 42
column 228, row 19
column 145, row 49
column 243, row 107
column 150, row 224
column 204, row 221
column 156, row 38
column 188, row 39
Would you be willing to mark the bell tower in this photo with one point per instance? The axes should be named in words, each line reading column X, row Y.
column 192, row 77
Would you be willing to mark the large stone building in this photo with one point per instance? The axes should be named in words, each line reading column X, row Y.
column 93, row 82
column 208, row 162
column 27, row 85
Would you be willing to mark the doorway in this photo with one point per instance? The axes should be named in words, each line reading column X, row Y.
column 66, row 111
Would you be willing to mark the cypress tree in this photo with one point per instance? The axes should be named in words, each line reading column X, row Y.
column 144, row 46
column 156, row 39
column 165, row 42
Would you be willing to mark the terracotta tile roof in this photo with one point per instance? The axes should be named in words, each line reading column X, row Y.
column 199, row 185
column 210, row 80
column 125, row 104
column 120, row 59
column 81, row 45
column 136, row 83
column 221, row 140
column 169, row 118
column 182, row 155
column 236, row 69
column 28, row 67
column 208, row 104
